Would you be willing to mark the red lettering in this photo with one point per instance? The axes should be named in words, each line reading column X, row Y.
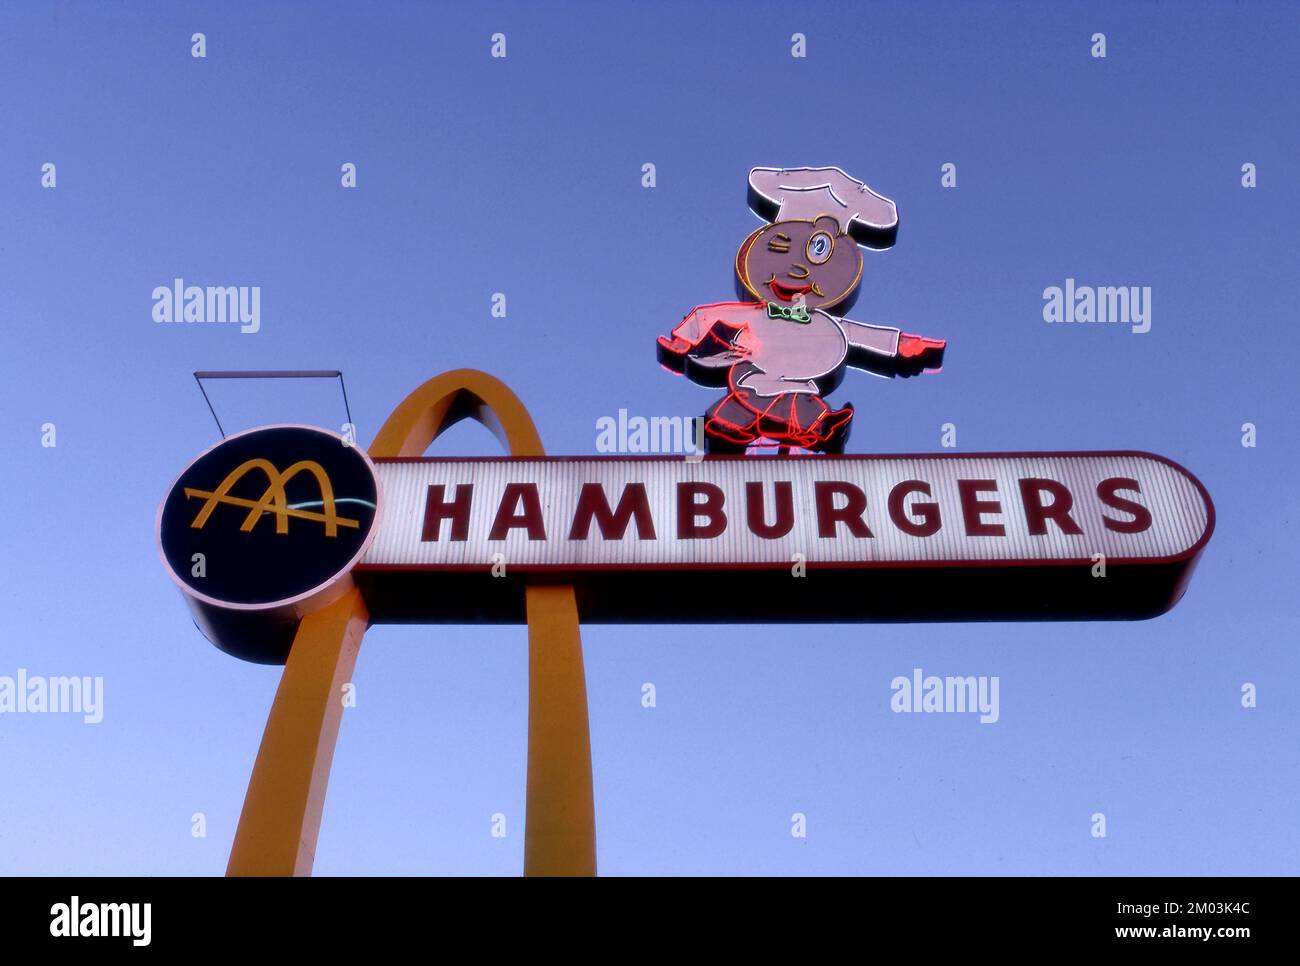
column 1107, row 493
column 851, row 514
column 757, row 518
column 973, row 508
column 529, row 515
column 928, row 512
column 689, row 511
column 592, row 505
column 1038, row 513
column 437, row 509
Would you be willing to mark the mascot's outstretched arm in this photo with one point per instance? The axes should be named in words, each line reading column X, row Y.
column 704, row 341
column 886, row 351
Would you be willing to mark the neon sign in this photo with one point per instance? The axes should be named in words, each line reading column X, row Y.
column 780, row 355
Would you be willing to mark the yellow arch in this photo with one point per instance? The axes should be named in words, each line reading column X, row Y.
column 273, row 498
column 286, row 793
column 226, row 485
column 275, row 494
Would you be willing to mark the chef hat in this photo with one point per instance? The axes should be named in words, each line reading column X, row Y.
column 805, row 194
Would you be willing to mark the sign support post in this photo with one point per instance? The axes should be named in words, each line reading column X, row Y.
column 281, row 816
column 560, row 837
column 286, row 793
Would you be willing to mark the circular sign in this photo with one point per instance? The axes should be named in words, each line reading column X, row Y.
column 269, row 517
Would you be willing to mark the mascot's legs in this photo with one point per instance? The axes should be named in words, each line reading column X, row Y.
column 729, row 426
column 791, row 419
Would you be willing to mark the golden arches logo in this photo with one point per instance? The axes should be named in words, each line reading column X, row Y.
column 273, row 499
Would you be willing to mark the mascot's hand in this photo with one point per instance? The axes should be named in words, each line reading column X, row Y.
column 920, row 348
column 917, row 354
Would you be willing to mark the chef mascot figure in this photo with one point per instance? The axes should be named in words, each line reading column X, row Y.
column 780, row 355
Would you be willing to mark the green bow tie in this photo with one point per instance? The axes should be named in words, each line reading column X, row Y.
column 796, row 313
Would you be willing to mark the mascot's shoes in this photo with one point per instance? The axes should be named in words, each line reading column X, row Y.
column 827, row 434
column 729, row 434
column 831, row 432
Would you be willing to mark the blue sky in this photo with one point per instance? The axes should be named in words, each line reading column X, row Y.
column 523, row 176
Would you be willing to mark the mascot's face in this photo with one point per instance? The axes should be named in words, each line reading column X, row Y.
column 813, row 259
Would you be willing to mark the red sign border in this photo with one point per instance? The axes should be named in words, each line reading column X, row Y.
column 1190, row 554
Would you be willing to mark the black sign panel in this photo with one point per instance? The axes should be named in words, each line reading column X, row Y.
column 268, row 518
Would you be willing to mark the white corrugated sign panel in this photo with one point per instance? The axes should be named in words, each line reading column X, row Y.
column 1179, row 512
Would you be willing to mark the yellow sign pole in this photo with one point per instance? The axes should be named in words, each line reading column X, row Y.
column 560, row 832
column 286, row 794
column 281, row 816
